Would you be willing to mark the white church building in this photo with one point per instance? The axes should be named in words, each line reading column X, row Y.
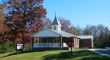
column 56, row 38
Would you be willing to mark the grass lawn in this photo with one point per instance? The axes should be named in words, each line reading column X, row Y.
column 54, row 55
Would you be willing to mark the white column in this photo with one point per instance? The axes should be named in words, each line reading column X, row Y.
column 38, row 40
column 74, row 42
column 78, row 42
column 61, row 42
column 92, row 42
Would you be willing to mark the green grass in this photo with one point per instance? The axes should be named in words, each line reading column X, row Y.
column 54, row 55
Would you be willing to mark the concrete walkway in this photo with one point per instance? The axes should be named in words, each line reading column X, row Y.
column 105, row 52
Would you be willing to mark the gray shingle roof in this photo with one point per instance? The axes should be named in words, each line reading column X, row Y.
column 57, row 34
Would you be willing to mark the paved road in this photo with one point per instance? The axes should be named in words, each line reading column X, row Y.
column 104, row 51
column 101, row 51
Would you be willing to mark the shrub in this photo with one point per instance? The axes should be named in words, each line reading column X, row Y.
column 7, row 47
column 102, row 43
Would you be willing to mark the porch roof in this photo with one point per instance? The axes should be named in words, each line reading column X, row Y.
column 86, row 37
column 45, row 32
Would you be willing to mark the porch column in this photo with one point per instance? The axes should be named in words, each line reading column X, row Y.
column 38, row 40
column 75, row 42
column 78, row 42
column 92, row 43
column 61, row 42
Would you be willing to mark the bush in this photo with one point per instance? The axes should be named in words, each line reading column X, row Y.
column 7, row 47
column 102, row 43
column 99, row 44
column 2, row 48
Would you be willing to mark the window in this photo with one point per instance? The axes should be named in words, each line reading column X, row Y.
column 54, row 27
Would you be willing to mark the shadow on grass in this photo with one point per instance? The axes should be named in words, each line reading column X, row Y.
column 96, row 58
column 82, row 55
column 34, row 50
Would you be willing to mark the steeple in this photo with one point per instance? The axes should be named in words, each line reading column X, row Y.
column 56, row 21
column 56, row 24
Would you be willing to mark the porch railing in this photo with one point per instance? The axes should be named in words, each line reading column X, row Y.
column 46, row 45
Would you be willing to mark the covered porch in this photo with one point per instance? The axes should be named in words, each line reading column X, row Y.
column 51, row 39
column 53, row 42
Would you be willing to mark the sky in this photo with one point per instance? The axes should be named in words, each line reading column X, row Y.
column 80, row 12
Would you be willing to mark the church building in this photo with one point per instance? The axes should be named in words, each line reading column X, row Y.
column 56, row 38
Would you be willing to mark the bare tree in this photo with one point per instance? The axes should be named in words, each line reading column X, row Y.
column 100, row 32
column 47, row 23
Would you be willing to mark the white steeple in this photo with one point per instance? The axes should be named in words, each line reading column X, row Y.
column 56, row 24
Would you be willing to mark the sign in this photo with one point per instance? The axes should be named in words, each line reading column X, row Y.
column 19, row 46
column 69, row 43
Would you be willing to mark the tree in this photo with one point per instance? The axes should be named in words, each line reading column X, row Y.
column 79, row 30
column 101, row 34
column 47, row 23
column 24, row 17
column 66, row 26
column 3, row 26
column 87, row 30
column 73, row 30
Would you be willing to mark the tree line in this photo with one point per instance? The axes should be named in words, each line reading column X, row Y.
column 100, row 32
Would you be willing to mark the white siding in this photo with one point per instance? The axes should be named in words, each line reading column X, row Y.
column 56, row 28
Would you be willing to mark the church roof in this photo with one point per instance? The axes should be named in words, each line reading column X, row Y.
column 56, row 21
column 45, row 32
